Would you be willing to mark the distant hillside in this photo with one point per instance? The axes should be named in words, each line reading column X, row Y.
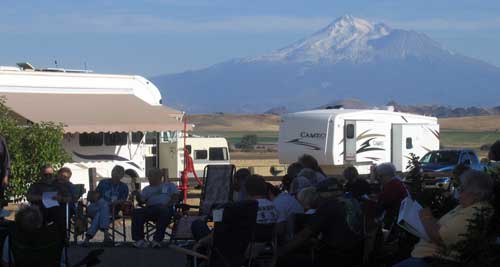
column 230, row 122
column 471, row 124
column 445, row 111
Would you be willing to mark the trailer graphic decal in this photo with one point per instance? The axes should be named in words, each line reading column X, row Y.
column 365, row 147
column 104, row 157
column 298, row 142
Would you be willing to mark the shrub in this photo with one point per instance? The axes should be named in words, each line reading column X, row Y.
column 30, row 146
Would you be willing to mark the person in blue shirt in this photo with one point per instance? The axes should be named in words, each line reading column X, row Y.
column 159, row 199
column 109, row 193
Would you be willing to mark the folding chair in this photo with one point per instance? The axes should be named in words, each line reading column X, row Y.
column 217, row 190
column 263, row 246
column 232, row 236
column 118, row 215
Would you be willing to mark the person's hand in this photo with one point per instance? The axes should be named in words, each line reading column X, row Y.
column 57, row 197
column 5, row 181
column 426, row 214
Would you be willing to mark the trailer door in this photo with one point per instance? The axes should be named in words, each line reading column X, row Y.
column 367, row 141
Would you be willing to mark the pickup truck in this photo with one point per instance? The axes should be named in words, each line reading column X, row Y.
column 446, row 160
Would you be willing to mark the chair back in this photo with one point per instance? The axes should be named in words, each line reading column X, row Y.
column 43, row 248
column 233, row 234
column 217, row 187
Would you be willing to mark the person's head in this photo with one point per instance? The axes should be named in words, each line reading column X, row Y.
column 46, row 171
column 29, row 219
column 294, row 169
column 308, row 173
column 385, row 172
column 307, row 197
column 458, row 171
column 310, row 162
column 476, row 186
column 64, row 174
column 117, row 173
column 329, row 188
column 239, row 178
column 350, row 174
column 154, row 176
column 272, row 191
column 256, row 187
column 494, row 153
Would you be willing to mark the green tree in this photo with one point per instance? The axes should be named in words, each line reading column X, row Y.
column 30, row 146
column 248, row 141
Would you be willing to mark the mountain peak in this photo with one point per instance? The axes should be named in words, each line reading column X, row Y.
column 355, row 40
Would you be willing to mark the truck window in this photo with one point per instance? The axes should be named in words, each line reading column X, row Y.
column 200, row 154
column 91, row 139
column 441, row 157
column 409, row 143
column 137, row 137
column 473, row 158
column 349, row 131
column 217, row 153
column 115, row 139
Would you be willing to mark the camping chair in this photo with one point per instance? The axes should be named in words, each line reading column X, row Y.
column 263, row 246
column 232, row 235
column 217, row 190
column 118, row 216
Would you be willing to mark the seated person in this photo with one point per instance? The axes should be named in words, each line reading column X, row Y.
column 393, row 192
column 256, row 189
column 286, row 205
column 475, row 192
column 240, row 178
column 307, row 198
column 159, row 199
column 110, row 192
column 46, row 184
column 358, row 187
column 309, row 162
column 494, row 153
column 33, row 242
column 331, row 231
column 63, row 178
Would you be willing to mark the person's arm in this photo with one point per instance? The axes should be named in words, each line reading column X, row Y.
column 431, row 226
column 205, row 242
column 173, row 199
column 33, row 195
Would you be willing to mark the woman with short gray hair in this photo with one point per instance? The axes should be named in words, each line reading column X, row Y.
column 474, row 193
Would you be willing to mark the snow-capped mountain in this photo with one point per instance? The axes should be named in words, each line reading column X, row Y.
column 349, row 58
column 355, row 40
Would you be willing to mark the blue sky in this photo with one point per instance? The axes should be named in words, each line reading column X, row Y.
column 151, row 37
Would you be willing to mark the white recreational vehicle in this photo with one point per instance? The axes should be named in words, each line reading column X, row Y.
column 108, row 119
column 203, row 151
column 341, row 137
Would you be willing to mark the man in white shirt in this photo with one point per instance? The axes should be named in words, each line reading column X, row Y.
column 159, row 199
column 286, row 205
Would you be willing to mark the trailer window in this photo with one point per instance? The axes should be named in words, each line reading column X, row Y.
column 137, row 137
column 350, row 131
column 200, row 154
column 409, row 143
column 218, row 153
column 115, row 139
column 90, row 139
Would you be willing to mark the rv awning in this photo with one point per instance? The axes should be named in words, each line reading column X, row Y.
column 94, row 112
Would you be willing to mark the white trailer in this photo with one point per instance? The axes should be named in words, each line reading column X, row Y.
column 108, row 119
column 203, row 151
column 341, row 137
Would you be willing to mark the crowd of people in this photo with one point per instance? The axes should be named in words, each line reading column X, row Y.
column 317, row 220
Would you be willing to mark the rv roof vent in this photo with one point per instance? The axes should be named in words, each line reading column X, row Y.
column 335, row 107
column 390, row 108
column 25, row 66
